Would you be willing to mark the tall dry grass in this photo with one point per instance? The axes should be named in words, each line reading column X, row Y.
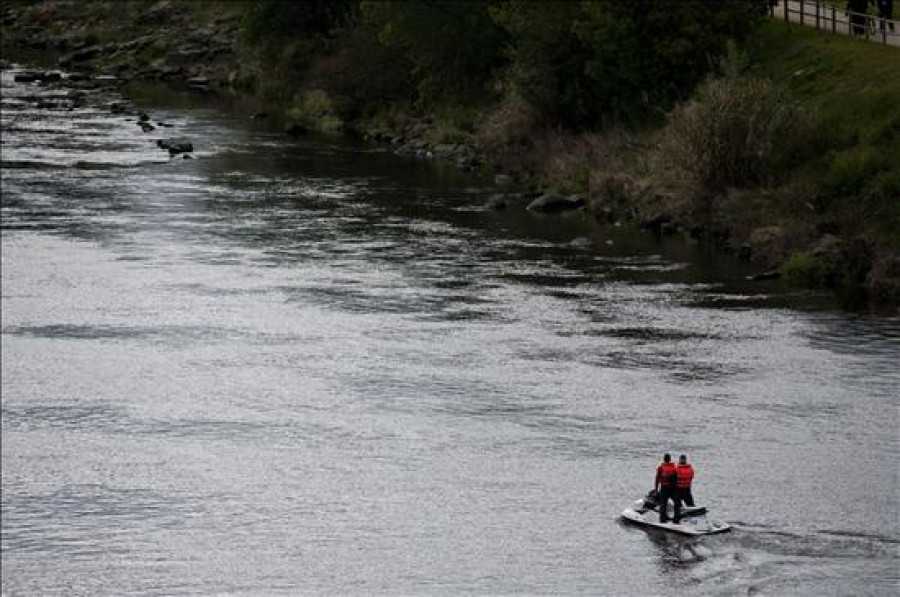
column 733, row 133
column 516, row 138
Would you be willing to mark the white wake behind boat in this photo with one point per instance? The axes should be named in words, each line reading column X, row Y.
column 694, row 521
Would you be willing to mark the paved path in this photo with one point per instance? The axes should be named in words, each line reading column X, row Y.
column 832, row 19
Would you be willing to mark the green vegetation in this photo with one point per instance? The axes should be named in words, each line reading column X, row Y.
column 852, row 89
column 579, row 65
column 805, row 270
column 800, row 134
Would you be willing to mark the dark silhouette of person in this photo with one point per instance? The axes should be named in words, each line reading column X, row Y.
column 857, row 10
column 886, row 13
column 665, row 486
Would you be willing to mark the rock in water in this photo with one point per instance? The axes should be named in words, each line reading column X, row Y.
column 555, row 203
column 175, row 146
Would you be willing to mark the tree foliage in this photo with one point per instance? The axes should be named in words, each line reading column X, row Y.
column 453, row 45
column 579, row 63
column 648, row 54
column 274, row 22
column 547, row 58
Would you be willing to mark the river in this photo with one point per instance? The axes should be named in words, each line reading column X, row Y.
column 309, row 366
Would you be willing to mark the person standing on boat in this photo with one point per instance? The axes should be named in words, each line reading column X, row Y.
column 666, row 478
column 684, row 477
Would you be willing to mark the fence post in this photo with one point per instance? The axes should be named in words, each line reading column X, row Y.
column 787, row 19
column 833, row 21
column 817, row 13
column 802, row 11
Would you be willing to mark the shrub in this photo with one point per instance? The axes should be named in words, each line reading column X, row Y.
column 315, row 110
column 513, row 123
column 735, row 132
column 509, row 133
column 805, row 270
column 849, row 170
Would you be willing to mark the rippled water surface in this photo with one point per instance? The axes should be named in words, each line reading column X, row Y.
column 308, row 366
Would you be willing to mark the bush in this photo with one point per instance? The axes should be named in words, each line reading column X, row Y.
column 736, row 132
column 315, row 110
column 806, row 271
column 513, row 123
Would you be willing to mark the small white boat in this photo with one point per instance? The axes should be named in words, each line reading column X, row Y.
column 694, row 521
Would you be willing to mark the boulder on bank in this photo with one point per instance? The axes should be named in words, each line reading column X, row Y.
column 551, row 203
column 175, row 146
column 82, row 55
column 581, row 242
column 198, row 83
column 32, row 76
column 503, row 180
column 772, row 274
column 296, row 129
column 25, row 77
column 497, row 202
column 185, row 57
column 106, row 80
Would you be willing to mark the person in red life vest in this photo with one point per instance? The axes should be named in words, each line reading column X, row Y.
column 666, row 477
column 684, row 476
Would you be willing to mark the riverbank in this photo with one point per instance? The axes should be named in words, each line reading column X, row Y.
column 813, row 198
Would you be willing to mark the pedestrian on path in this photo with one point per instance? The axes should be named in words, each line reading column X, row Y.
column 886, row 13
column 857, row 10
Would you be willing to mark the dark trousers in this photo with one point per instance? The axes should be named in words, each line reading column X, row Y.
column 684, row 496
column 666, row 494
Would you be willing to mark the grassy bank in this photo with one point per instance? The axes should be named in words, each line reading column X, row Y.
column 849, row 183
column 789, row 155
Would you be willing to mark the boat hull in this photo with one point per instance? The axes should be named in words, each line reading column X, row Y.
column 691, row 525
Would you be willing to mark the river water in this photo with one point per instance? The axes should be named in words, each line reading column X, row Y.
column 313, row 367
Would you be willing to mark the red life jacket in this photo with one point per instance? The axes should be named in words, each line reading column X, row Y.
column 666, row 474
column 685, row 475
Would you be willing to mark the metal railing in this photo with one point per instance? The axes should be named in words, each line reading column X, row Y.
column 832, row 19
